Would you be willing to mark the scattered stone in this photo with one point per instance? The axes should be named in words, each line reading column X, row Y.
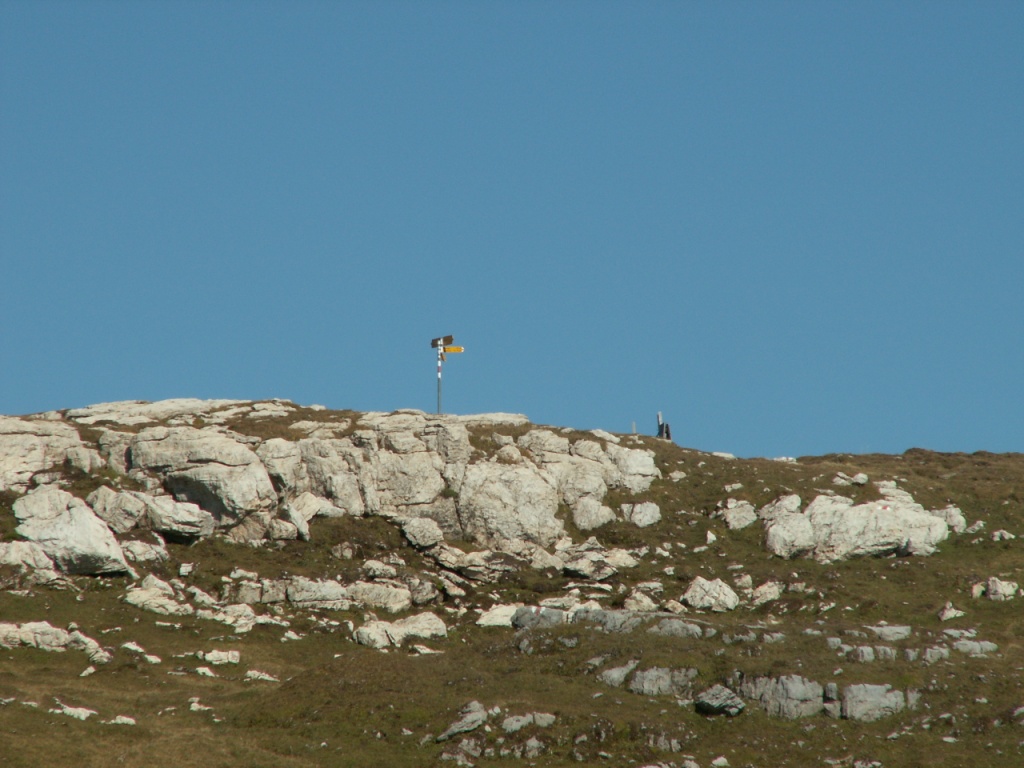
column 719, row 700
column 642, row 515
column 471, row 717
column 710, row 595
column 79, row 713
column 949, row 613
column 256, row 675
column 499, row 615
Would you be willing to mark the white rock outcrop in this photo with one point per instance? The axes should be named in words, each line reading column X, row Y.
column 871, row 702
column 499, row 503
column 833, row 528
column 384, row 634
column 66, row 529
column 205, row 467
column 31, row 445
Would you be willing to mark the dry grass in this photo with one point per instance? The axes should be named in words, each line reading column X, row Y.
column 339, row 704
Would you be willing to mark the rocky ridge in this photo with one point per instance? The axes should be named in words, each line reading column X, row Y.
column 719, row 586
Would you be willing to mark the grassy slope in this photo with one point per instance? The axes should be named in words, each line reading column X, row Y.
column 343, row 705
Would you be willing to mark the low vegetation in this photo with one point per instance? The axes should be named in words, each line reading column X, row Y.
column 337, row 703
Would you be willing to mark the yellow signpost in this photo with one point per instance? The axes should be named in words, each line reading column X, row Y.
column 443, row 346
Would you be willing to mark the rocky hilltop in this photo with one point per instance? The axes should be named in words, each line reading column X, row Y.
column 228, row 582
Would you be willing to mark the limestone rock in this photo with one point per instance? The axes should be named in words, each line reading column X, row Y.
column 789, row 696
column 25, row 555
column 868, row 703
column 635, row 465
column 136, row 412
column 499, row 503
column 322, row 593
column 157, row 596
column 145, row 551
column 178, row 520
column 790, row 535
column 739, row 515
column 953, row 516
column 499, row 615
column 41, row 635
column 393, row 599
column 207, row 468
column 662, row 681
column 642, row 515
column 28, row 446
column 382, row 634
column 119, row 510
column 999, row 590
column 719, row 700
column 676, row 628
column 784, row 505
column 710, row 595
column 307, row 506
column 766, row 593
column 66, row 529
column 589, row 513
column 532, row 617
column 422, row 532
column 538, row 442
column 948, row 612
column 616, row 676
column 471, row 717
column 833, row 528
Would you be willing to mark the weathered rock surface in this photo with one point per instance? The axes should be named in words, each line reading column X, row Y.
column 28, row 446
column 710, row 595
column 472, row 716
column 719, row 700
column 207, row 468
column 158, row 596
column 499, row 503
column 833, row 528
column 789, row 696
column 871, row 702
column 69, row 533
column 662, row 681
column 41, row 635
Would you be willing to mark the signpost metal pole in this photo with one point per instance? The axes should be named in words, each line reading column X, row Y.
column 441, row 344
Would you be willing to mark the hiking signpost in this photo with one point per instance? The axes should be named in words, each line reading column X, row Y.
column 443, row 345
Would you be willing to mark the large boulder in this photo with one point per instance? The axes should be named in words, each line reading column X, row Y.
column 871, row 702
column 636, row 467
column 710, row 595
column 661, row 681
column 719, row 700
column 500, row 503
column 381, row 634
column 66, row 529
column 833, row 528
column 789, row 696
column 407, row 478
column 207, row 468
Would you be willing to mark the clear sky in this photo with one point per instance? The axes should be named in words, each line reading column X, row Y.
column 793, row 227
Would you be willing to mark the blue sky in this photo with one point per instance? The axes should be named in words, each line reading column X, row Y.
column 793, row 227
